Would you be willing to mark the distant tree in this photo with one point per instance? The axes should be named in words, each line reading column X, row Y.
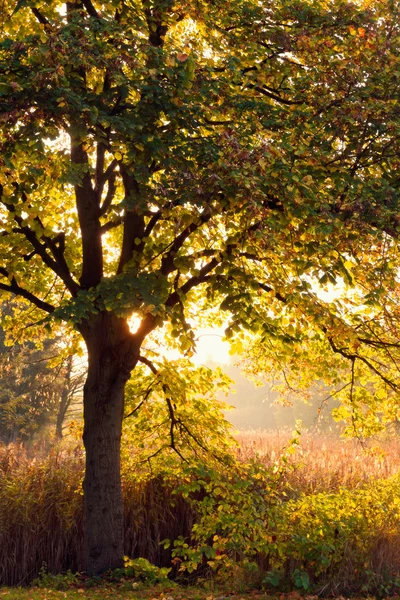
column 161, row 157
column 71, row 397
column 259, row 404
column 37, row 386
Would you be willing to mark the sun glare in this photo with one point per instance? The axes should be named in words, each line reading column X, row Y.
column 211, row 347
column 134, row 323
column 210, row 344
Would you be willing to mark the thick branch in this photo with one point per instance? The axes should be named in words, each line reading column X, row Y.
column 157, row 29
column 148, row 363
column 99, row 170
column 103, row 176
column 110, row 194
column 134, row 225
column 147, row 325
column 58, row 266
column 202, row 277
column 89, row 219
column 41, row 18
column 111, row 225
column 57, row 248
column 90, row 9
column 167, row 263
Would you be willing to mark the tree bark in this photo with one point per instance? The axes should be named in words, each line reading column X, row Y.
column 111, row 358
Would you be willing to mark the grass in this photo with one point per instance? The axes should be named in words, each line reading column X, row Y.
column 41, row 513
column 323, row 462
column 113, row 592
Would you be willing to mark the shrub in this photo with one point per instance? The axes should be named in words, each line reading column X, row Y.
column 345, row 542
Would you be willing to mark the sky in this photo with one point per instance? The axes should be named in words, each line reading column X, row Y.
column 210, row 346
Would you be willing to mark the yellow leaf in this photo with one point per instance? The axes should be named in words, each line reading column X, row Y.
column 348, row 264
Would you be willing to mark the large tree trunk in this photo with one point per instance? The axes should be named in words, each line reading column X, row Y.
column 110, row 361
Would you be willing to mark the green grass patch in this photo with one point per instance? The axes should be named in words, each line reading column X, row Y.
column 118, row 593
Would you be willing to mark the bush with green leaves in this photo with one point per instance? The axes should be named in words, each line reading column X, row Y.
column 338, row 542
column 142, row 570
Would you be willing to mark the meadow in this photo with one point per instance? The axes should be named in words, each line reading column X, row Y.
column 323, row 462
column 311, row 514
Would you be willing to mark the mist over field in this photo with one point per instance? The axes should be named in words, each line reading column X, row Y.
column 256, row 405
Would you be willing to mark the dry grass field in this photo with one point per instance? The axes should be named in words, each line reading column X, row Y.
column 323, row 462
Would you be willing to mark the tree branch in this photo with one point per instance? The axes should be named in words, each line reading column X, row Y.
column 89, row 218
column 378, row 343
column 41, row 18
column 267, row 288
column 110, row 194
column 111, row 225
column 148, row 363
column 273, row 96
column 167, row 262
column 202, row 277
column 59, row 266
column 14, row 288
column 134, row 224
column 157, row 30
column 354, row 356
column 155, row 217
column 90, row 9
column 103, row 177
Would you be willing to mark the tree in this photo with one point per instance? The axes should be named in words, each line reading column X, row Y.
column 159, row 158
column 70, row 400
column 38, row 382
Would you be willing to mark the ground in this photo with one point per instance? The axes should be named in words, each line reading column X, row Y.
column 111, row 592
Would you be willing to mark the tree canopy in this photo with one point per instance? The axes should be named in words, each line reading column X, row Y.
column 234, row 163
